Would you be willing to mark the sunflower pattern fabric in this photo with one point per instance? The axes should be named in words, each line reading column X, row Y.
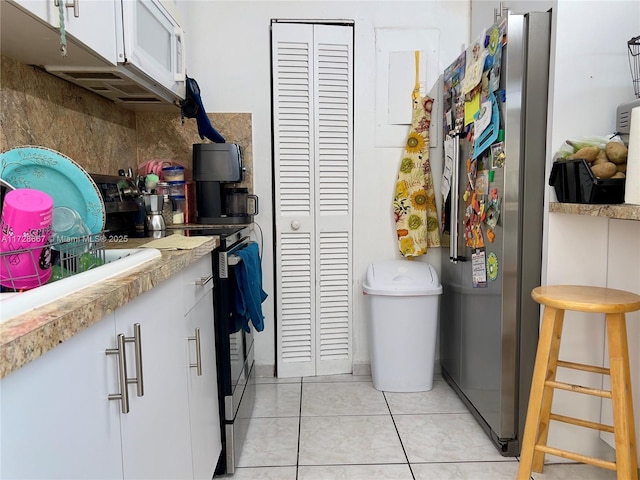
column 414, row 203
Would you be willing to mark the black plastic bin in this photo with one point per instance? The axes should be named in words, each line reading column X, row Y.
column 574, row 182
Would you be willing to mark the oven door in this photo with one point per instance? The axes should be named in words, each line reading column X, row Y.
column 235, row 360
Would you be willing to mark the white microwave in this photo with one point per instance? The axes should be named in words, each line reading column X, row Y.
column 150, row 50
column 151, row 41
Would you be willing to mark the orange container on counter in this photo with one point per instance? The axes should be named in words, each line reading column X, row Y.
column 189, row 202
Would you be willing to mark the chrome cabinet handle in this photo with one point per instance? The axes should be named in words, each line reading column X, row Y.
column 137, row 341
column 198, row 364
column 204, row 280
column 122, row 372
column 75, row 4
column 498, row 12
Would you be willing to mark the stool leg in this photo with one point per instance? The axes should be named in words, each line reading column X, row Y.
column 536, row 427
column 623, row 424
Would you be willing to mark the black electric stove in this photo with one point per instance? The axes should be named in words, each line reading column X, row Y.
column 229, row 234
column 234, row 346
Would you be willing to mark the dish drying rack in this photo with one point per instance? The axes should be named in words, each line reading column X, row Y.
column 69, row 257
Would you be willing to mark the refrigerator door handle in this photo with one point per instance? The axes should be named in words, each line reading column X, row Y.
column 453, row 218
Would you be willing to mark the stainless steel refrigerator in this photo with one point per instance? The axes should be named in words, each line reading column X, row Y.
column 489, row 325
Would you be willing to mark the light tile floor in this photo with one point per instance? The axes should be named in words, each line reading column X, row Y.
column 341, row 428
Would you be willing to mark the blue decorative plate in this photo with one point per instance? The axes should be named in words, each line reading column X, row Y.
column 60, row 177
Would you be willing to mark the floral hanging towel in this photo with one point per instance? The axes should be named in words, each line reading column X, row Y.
column 414, row 203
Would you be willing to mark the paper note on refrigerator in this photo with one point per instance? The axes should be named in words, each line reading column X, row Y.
column 479, row 268
column 471, row 108
column 473, row 72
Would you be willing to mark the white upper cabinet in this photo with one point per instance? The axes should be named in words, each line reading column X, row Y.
column 90, row 23
column 129, row 51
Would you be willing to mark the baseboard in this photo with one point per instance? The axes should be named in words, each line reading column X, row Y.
column 363, row 368
column 265, row 371
column 358, row 368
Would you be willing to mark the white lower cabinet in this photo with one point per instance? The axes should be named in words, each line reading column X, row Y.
column 55, row 418
column 206, row 443
column 156, row 441
column 61, row 416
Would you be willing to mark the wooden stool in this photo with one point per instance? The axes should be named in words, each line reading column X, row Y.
column 614, row 304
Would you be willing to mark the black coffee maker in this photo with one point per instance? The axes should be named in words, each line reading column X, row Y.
column 217, row 169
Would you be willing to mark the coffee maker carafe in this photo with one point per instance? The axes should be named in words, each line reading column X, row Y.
column 217, row 169
column 238, row 202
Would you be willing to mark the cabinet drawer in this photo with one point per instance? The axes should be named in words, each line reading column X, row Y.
column 197, row 281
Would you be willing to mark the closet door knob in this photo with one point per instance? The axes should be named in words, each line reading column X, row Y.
column 295, row 225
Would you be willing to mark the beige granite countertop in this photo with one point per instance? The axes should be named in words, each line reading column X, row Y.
column 28, row 336
column 621, row 211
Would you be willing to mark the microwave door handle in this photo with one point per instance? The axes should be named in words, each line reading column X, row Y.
column 178, row 54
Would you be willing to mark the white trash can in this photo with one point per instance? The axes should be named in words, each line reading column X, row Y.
column 403, row 301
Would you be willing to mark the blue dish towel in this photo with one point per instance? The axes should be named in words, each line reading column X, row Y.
column 249, row 294
column 192, row 107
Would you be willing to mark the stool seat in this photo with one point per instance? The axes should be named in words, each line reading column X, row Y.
column 613, row 304
column 586, row 299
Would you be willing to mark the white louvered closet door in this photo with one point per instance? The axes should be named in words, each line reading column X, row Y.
column 313, row 165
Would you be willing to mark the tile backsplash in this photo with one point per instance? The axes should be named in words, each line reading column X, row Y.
column 37, row 108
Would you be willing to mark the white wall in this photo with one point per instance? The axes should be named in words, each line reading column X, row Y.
column 590, row 77
column 229, row 55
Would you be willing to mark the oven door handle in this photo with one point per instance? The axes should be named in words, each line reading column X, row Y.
column 228, row 258
column 234, row 259
column 203, row 281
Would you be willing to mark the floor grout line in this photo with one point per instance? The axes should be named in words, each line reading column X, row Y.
column 399, row 437
column 299, row 432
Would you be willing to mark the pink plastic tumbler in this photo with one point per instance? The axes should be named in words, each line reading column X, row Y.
column 25, row 228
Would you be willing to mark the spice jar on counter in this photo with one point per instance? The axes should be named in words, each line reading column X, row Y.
column 178, row 209
column 167, row 211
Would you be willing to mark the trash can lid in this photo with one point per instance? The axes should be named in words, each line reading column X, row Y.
column 401, row 278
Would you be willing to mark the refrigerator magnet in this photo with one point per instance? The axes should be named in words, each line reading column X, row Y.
column 492, row 266
column 478, row 238
column 492, row 215
column 482, row 182
column 497, row 155
column 490, row 235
